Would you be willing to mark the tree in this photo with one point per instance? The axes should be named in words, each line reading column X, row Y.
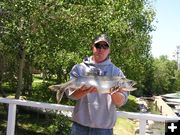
column 53, row 35
column 164, row 75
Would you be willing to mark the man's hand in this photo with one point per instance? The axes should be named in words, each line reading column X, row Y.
column 83, row 90
column 87, row 89
column 117, row 96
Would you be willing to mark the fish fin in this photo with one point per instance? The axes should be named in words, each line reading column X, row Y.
column 59, row 96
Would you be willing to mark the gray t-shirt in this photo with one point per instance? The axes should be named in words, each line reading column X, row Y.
column 95, row 110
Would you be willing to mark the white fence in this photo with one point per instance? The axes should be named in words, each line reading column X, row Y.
column 141, row 116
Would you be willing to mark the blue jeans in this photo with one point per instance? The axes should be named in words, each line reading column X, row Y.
column 78, row 129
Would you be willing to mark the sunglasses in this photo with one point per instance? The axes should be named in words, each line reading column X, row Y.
column 99, row 46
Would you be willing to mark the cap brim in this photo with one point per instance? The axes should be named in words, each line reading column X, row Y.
column 101, row 40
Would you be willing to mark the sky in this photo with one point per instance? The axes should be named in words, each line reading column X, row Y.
column 166, row 38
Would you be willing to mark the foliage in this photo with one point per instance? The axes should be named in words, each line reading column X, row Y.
column 164, row 76
column 54, row 35
column 177, row 77
column 131, row 105
column 41, row 93
column 64, row 123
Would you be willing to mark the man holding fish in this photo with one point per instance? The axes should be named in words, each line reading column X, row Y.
column 95, row 110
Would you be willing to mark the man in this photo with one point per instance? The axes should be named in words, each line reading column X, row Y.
column 95, row 113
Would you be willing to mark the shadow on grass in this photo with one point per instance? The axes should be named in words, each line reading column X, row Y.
column 22, row 131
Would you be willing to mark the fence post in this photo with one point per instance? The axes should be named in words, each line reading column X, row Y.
column 142, row 127
column 11, row 119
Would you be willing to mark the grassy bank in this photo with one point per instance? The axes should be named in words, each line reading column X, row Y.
column 124, row 127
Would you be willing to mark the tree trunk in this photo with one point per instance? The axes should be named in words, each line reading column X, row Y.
column 44, row 75
column 28, row 79
column 2, row 67
column 20, row 73
column 1, row 74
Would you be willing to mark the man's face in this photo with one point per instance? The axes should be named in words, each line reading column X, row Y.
column 100, row 51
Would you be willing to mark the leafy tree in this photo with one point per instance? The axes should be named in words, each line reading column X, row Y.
column 53, row 35
column 164, row 75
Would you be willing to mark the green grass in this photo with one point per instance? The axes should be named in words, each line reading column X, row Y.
column 124, row 126
column 28, row 123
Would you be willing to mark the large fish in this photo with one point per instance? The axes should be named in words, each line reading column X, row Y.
column 102, row 83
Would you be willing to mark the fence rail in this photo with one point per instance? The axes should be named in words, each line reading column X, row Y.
column 142, row 117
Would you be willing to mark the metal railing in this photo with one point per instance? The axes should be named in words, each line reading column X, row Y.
column 142, row 117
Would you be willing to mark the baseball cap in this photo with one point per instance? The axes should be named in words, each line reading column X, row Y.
column 102, row 37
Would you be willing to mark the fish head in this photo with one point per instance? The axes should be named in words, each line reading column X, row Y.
column 130, row 83
column 126, row 84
